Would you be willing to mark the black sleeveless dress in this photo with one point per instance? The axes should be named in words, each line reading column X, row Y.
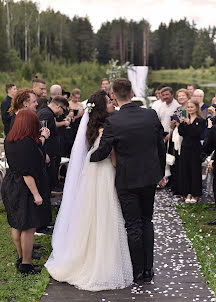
column 25, row 159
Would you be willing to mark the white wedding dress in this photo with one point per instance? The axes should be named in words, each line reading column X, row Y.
column 90, row 248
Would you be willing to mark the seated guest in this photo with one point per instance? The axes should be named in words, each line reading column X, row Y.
column 6, row 117
column 24, row 188
column 191, row 128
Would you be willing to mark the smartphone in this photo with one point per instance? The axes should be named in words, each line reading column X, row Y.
column 175, row 117
column 184, row 113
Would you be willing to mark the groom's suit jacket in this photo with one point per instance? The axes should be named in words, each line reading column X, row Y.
column 137, row 137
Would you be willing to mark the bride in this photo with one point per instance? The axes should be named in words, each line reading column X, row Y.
column 90, row 248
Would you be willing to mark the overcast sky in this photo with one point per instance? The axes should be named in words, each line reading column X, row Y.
column 203, row 12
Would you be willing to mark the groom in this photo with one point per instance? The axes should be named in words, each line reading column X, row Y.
column 136, row 135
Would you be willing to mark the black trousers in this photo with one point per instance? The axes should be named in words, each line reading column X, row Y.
column 52, row 171
column 137, row 208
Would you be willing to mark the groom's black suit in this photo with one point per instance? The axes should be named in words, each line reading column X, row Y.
column 137, row 137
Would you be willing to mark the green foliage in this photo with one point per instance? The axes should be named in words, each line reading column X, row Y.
column 209, row 61
column 172, row 45
column 202, row 236
column 52, row 36
column 27, row 71
column 203, row 48
column 13, row 60
column 36, row 60
column 86, row 76
column 116, row 71
column 3, row 47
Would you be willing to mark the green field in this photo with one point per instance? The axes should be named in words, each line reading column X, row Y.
column 87, row 77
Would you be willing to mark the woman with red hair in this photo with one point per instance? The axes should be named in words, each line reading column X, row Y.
column 24, row 188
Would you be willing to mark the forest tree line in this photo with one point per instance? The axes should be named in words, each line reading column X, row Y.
column 30, row 36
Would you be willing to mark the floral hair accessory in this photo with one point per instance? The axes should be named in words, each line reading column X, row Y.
column 89, row 107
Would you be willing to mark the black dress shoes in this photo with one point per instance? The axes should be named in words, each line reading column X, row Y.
column 18, row 262
column 148, row 275
column 36, row 246
column 213, row 222
column 36, row 255
column 45, row 231
column 138, row 279
column 28, row 269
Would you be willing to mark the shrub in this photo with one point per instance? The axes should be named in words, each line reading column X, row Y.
column 13, row 60
column 27, row 71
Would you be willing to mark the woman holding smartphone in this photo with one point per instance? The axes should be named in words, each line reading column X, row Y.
column 191, row 128
column 182, row 96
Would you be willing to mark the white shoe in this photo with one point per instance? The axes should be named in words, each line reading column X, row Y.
column 193, row 200
column 187, row 200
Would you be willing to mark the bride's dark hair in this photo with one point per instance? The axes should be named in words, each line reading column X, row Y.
column 97, row 115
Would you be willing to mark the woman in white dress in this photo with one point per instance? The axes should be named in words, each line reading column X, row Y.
column 90, row 248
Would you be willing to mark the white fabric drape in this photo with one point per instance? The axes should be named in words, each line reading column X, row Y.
column 68, row 211
column 137, row 75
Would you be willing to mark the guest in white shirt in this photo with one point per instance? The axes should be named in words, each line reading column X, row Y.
column 156, row 105
column 165, row 112
column 167, row 109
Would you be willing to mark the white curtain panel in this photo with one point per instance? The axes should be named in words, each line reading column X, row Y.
column 138, row 75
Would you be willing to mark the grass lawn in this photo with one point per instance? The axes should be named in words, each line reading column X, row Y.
column 202, row 236
column 14, row 286
column 17, row 288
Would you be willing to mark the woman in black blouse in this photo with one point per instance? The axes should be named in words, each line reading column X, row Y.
column 191, row 129
column 24, row 188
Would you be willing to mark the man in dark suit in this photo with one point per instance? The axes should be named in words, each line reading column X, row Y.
column 6, row 117
column 136, row 135
column 52, row 145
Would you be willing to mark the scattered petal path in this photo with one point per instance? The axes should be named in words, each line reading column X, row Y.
column 177, row 278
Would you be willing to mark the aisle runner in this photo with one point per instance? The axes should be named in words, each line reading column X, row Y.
column 177, row 272
column 177, row 278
